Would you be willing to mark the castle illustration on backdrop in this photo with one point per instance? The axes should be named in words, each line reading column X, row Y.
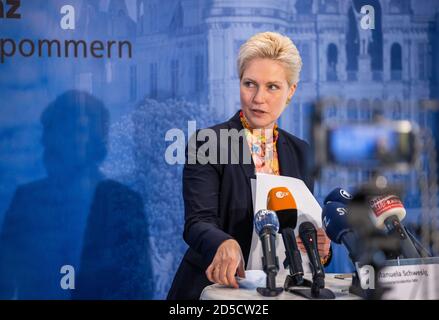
column 187, row 49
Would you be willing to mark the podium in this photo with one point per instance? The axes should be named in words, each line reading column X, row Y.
column 338, row 285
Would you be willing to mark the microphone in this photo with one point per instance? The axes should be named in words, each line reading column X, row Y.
column 338, row 229
column 266, row 226
column 388, row 211
column 308, row 234
column 281, row 201
column 338, row 195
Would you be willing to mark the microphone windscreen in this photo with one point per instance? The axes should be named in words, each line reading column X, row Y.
column 338, row 195
column 266, row 219
column 384, row 207
column 283, row 203
column 307, row 227
column 335, row 221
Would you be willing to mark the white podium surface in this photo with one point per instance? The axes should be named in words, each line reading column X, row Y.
column 340, row 287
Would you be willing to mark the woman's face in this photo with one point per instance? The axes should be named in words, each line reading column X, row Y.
column 264, row 92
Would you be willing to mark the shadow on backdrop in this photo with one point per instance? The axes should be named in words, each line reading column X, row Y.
column 75, row 217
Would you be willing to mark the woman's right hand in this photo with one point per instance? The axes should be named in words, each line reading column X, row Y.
column 227, row 262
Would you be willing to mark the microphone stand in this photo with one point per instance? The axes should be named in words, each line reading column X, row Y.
column 295, row 282
column 424, row 253
column 271, row 267
column 270, row 290
column 293, row 260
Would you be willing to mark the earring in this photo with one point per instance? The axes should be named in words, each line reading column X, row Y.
column 288, row 101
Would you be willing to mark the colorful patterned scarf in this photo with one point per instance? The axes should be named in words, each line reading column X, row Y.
column 263, row 147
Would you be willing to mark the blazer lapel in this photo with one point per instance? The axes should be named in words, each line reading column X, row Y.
column 249, row 169
column 243, row 149
column 285, row 157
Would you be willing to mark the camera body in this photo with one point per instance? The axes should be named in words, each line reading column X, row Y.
column 377, row 145
column 384, row 145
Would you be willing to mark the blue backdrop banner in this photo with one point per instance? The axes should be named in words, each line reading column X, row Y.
column 90, row 89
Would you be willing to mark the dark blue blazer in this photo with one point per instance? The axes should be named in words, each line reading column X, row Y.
column 218, row 206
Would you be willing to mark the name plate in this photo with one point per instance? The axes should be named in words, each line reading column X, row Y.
column 407, row 279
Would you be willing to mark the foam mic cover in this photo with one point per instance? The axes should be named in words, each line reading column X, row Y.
column 338, row 195
column 283, row 203
column 384, row 207
column 266, row 220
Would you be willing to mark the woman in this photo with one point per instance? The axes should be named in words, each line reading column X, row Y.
column 217, row 197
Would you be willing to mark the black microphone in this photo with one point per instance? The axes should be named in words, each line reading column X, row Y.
column 308, row 235
column 266, row 226
column 337, row 228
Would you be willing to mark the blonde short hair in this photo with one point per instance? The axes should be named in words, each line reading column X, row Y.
column 271, row 45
